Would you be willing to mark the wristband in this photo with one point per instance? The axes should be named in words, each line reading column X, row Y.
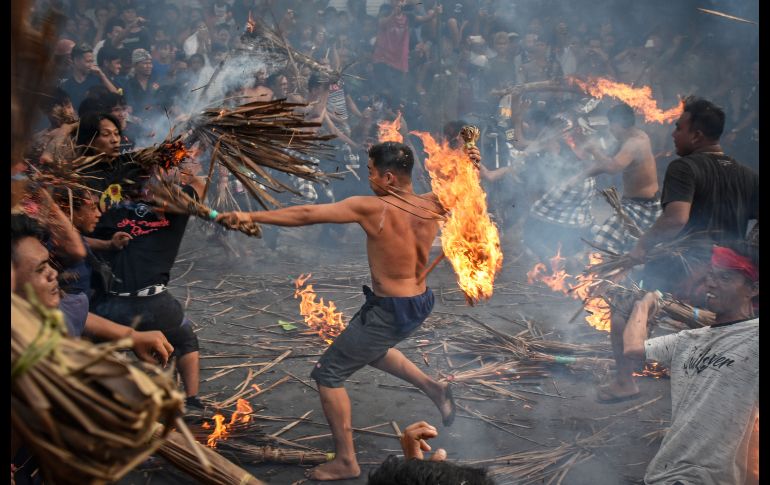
column 213, row 214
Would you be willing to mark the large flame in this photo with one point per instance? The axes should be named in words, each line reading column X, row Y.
column 389, row 131
column 599, row 315
column 638, row 98
column 222, row 430
column 469, row 238
column 322, row 318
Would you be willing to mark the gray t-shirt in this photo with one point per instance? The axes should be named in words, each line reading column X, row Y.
column 714, row 399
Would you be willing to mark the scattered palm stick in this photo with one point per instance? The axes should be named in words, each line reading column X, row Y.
column 291, row 425
column 629, row 410
column 395, row 427
column 300, row 380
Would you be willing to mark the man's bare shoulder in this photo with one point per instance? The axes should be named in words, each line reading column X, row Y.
column 639, row 138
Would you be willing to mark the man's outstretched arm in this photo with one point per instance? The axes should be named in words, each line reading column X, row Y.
column 349, row 210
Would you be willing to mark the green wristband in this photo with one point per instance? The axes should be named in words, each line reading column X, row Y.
column 213, row 214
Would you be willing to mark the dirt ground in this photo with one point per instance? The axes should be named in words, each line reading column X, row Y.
column 236, row 303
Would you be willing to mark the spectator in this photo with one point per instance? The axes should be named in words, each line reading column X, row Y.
column 85, row 74
column 141, row 86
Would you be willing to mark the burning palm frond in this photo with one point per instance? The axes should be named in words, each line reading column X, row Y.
column 87, row 414
column 186, row 457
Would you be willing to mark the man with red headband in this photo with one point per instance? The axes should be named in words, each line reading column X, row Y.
column 714, row 378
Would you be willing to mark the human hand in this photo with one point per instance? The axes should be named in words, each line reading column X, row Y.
column 120, row 240
column 413, row 441
column 233, row 218
column 474, row 155
column 152, row 346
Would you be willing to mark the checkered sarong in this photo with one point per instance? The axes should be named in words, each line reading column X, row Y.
column 567, row 205
column 613, row 235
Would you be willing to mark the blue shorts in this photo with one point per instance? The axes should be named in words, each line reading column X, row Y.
column 378, row 326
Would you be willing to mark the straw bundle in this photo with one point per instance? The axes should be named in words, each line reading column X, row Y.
column 186, row 457
column 86, row 414
column 257, row 135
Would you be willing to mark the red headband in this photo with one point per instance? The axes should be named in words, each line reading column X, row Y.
column 724, row 258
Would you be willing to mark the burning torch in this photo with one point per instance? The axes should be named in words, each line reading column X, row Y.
column 470, row 134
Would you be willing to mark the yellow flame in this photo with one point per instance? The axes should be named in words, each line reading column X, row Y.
column 389, row 131
column 220, row 431
column 638, row 98
column 322, row 318
column 599, row 314
column 469, row 238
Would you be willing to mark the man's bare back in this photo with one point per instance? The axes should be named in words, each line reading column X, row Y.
column 640, row 177
column 398, row 241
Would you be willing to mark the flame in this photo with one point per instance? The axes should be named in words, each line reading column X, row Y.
column 599, row 315
column 322, row 318
column 389, row 131
column 469, row 238
column 220, row 431
column 638, row 98
column 243, row 411
column 250, row 24
column 653, row 369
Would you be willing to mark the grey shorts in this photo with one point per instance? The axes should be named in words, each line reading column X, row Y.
column 377, row 327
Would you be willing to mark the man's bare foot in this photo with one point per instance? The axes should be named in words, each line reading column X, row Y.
column 445, row 404
column 337, row 469
column 617, row 392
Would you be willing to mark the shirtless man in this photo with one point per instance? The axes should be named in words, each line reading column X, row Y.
column 640, row 203
column 398, row 244
column 640, row 180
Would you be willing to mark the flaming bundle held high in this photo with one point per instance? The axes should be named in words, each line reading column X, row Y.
column 469, row 238
column 638, row 98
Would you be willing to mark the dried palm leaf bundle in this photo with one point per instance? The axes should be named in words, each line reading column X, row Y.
column 211, row 469
column 85, row 412
column 261, row 135
column 31, row 70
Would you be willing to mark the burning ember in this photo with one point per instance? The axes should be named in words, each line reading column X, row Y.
column 469, row 238
column 221, row 430
column 598, row 309
column 321, row 318
column 653, row 369
column 389, row 131
column 638, row 98
column 171, row 154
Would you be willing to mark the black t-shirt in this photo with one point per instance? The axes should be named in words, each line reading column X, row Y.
column 115, row 180
column 136, row 40
column 77, row 91
column 724, row 194
column 156, row 236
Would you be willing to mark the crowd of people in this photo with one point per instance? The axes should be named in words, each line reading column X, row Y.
column 126, row 71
